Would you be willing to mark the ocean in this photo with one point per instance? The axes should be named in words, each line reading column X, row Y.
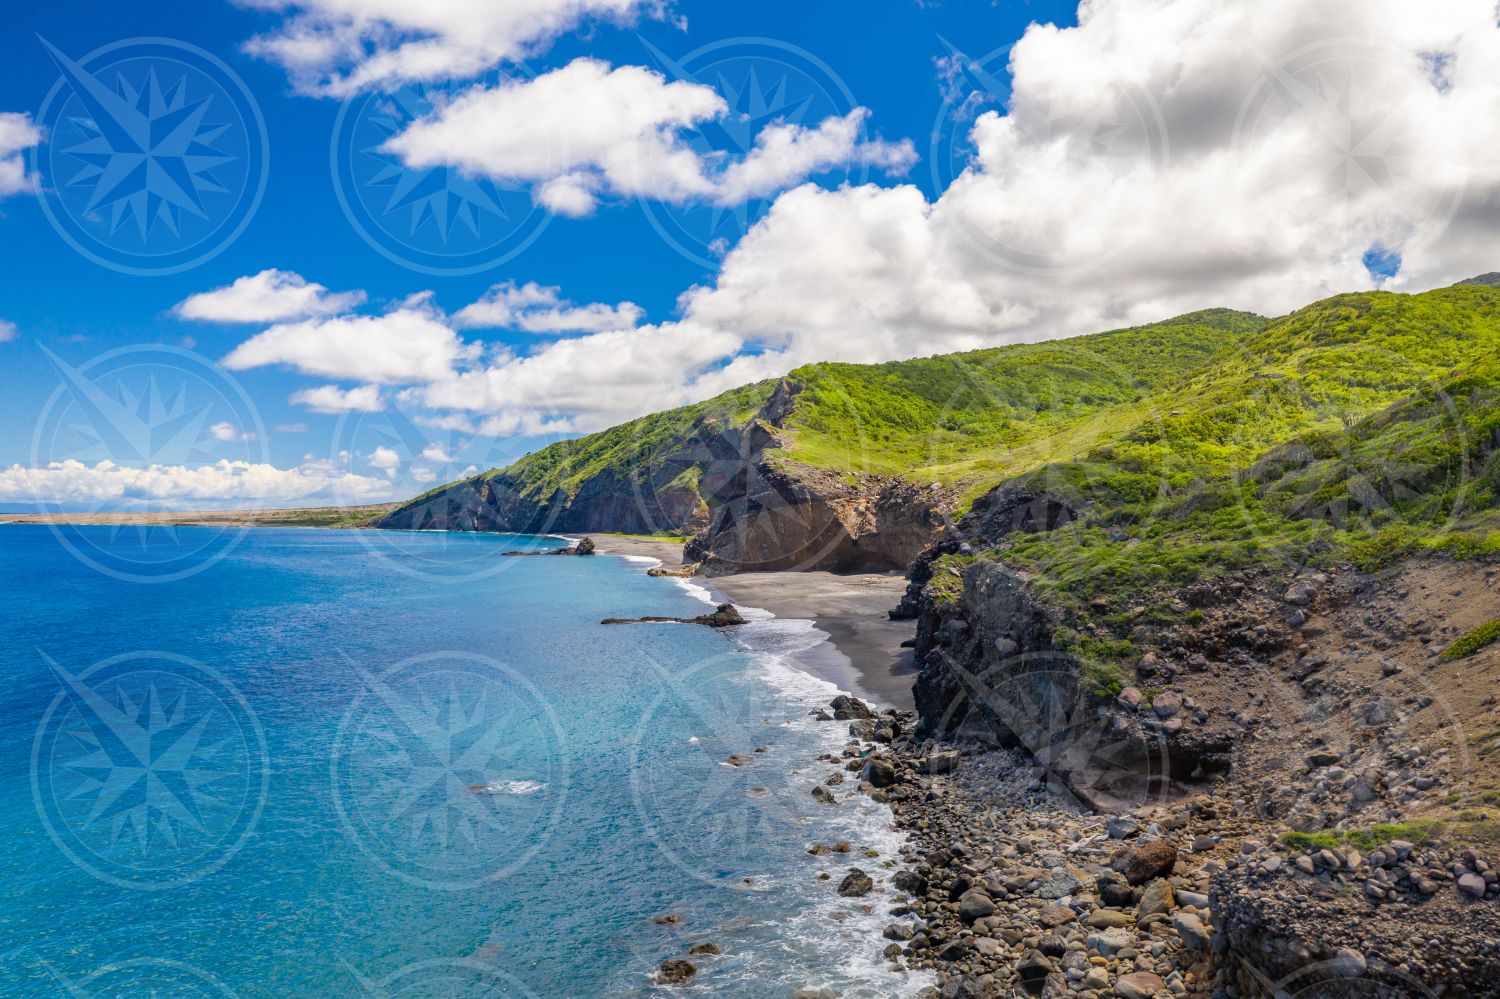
column 298, row 762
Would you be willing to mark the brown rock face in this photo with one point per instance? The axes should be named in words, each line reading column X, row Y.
column 1152, row 858
column 747, row 507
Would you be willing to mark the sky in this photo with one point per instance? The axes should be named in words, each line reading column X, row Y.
column 274, row 253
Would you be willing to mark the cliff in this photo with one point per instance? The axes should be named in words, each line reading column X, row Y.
column 837, row 466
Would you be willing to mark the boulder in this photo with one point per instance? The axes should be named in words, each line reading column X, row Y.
column 846, row 708
column 856, row 884
column 1151, row 858
column 674, row 971
column 1138, row 985
column 1191, row 930
column 974, row 905
column 878, row 771
column 1155, row 900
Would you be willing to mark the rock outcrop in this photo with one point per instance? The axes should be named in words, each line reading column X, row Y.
column 730, row 486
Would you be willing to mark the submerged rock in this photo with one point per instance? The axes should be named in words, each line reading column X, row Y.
column 724, row 616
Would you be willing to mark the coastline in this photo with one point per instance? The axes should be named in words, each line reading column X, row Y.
column 862, row 652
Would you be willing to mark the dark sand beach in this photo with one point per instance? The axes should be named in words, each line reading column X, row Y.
column 863, row 654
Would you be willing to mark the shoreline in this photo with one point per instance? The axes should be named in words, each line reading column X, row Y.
column 861, row 652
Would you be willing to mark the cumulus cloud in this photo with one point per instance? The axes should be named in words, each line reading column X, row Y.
column 386, row 460
column 228, row 432
column 7, row 330
column 537, row 309
column 588, row 129
column 17, row 134
column 268, row 297
column 224, row 482
column 332, row 399
column 1158, row 158
column 338, row 47
column 583, row 383
column 411, row 343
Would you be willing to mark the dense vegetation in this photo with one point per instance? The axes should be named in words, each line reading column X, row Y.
column 1360, row 428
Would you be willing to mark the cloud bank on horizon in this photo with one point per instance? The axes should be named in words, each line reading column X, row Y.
column 1156, row 158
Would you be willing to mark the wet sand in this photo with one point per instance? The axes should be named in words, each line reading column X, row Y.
column 863, row 654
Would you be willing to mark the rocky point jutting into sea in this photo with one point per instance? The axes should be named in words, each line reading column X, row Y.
column 1204, row 615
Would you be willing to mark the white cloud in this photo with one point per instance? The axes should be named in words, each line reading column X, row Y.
column 583, row 383
column 423, row 474
column 538, row 309
column 1159, row 158
column 238, row 482
column 268, row 297
column 225, row 431
column 434, row 452
column 386, row 460
column 337, row 47
column 7, row 330
column 786, row 153
column 17, row 134
column 587, row 130
column 332, row 399
column 409, row 344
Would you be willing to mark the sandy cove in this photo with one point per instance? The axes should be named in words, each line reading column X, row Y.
column 863, row 653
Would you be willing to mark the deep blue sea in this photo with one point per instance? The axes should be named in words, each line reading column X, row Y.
column 299, row 762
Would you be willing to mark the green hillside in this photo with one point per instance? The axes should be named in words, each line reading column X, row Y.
column 955, row 418
column 1361, row 427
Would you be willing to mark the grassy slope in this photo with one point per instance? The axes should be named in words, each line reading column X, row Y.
column 1355, row 428
column 958, row 418
column 1358, row 428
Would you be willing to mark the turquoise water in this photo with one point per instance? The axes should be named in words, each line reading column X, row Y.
column 301, row 762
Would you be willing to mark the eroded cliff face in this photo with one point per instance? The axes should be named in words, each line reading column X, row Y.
column 746, row 506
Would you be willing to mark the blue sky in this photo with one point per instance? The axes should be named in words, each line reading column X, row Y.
column 1135, row 154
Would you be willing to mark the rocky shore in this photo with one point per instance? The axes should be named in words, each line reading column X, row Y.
column 1011, row 885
